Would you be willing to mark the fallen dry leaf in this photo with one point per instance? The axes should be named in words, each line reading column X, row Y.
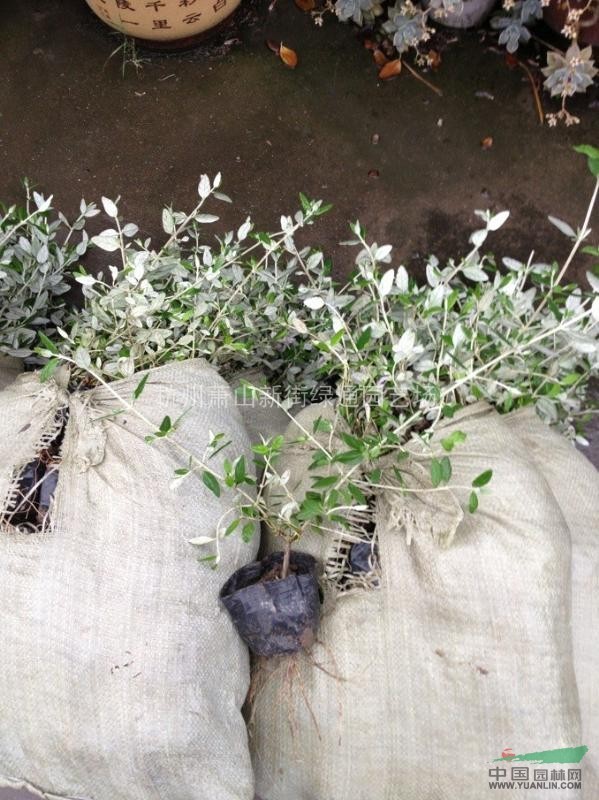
column 511, row 60
column 390, row 70
column 305, row 5
column 369, row 44
column 380, row 59
column 288, row 56
column 433, row 58
column 373, row 173
column 487, row 143
column 272, row 45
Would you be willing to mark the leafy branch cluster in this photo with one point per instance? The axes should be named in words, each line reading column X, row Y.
column 229, row 302
column 393, row 353
column 37, row 253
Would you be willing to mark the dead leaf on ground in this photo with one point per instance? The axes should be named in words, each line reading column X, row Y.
column 433, row 58
column 380, row 59
column 390, row 70
column 288, row 56
column 305, row 5
column 369, row 44
column 511, row 60
column 487, row 143
column 272, row 45
column 373, row 173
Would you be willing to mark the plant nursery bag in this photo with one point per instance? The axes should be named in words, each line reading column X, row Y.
column 458, row 651
column 574, row 482
column 10, row 368
column 122, row 677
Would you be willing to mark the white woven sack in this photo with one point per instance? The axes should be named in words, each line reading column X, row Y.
column 10, row 368
column 574, row 482
column 465, row 650
column 122, row 677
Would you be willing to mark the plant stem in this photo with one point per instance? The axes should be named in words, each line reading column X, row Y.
column 286, row 559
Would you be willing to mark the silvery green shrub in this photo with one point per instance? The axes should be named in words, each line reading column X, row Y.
column 37, row 251
column 476, row 328
column 396, row 353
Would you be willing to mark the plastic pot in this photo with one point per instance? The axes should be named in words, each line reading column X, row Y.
column 164, row 21
column 274, row 616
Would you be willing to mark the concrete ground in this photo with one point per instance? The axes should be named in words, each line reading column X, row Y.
column 74, row 125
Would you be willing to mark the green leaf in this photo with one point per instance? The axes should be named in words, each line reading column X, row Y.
column 322, row 426
column 166, row 425
column 324, row 209
column 325, row 482
column 483, row 479
column 336, row 338
column 587, row 150
column 240, row 470
column 350, row 457
column 357, row 494
column 232, row 526
column 49, row 369
column 364, row 338
column 449, row 442
column 449, row 410
column 351, row 441
column 247, row 532
column 445, row 469
column 211, row 482
column 48, row 343
column 141, row 386
column 436, row 472
column 592, row 154
column 182, row 471
column 570, row 379
column 473, row 502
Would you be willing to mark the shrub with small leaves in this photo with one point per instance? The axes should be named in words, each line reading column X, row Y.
column 394, row 354
column 37, row 252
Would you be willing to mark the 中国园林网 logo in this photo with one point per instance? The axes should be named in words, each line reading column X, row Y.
column 545, row 769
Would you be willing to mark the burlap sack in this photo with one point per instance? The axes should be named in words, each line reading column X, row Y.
column 122, row 677
column 10, row 368
column 463, row 651
column 574, row 482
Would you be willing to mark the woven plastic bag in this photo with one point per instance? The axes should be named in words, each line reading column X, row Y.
column 463, row 650
column 10, row 368
column 122, row 677
column 574, row 482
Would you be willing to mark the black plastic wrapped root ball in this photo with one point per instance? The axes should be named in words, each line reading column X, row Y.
column 278, row 616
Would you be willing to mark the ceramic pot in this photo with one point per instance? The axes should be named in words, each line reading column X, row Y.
column 472, row 14
column 163, row 21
